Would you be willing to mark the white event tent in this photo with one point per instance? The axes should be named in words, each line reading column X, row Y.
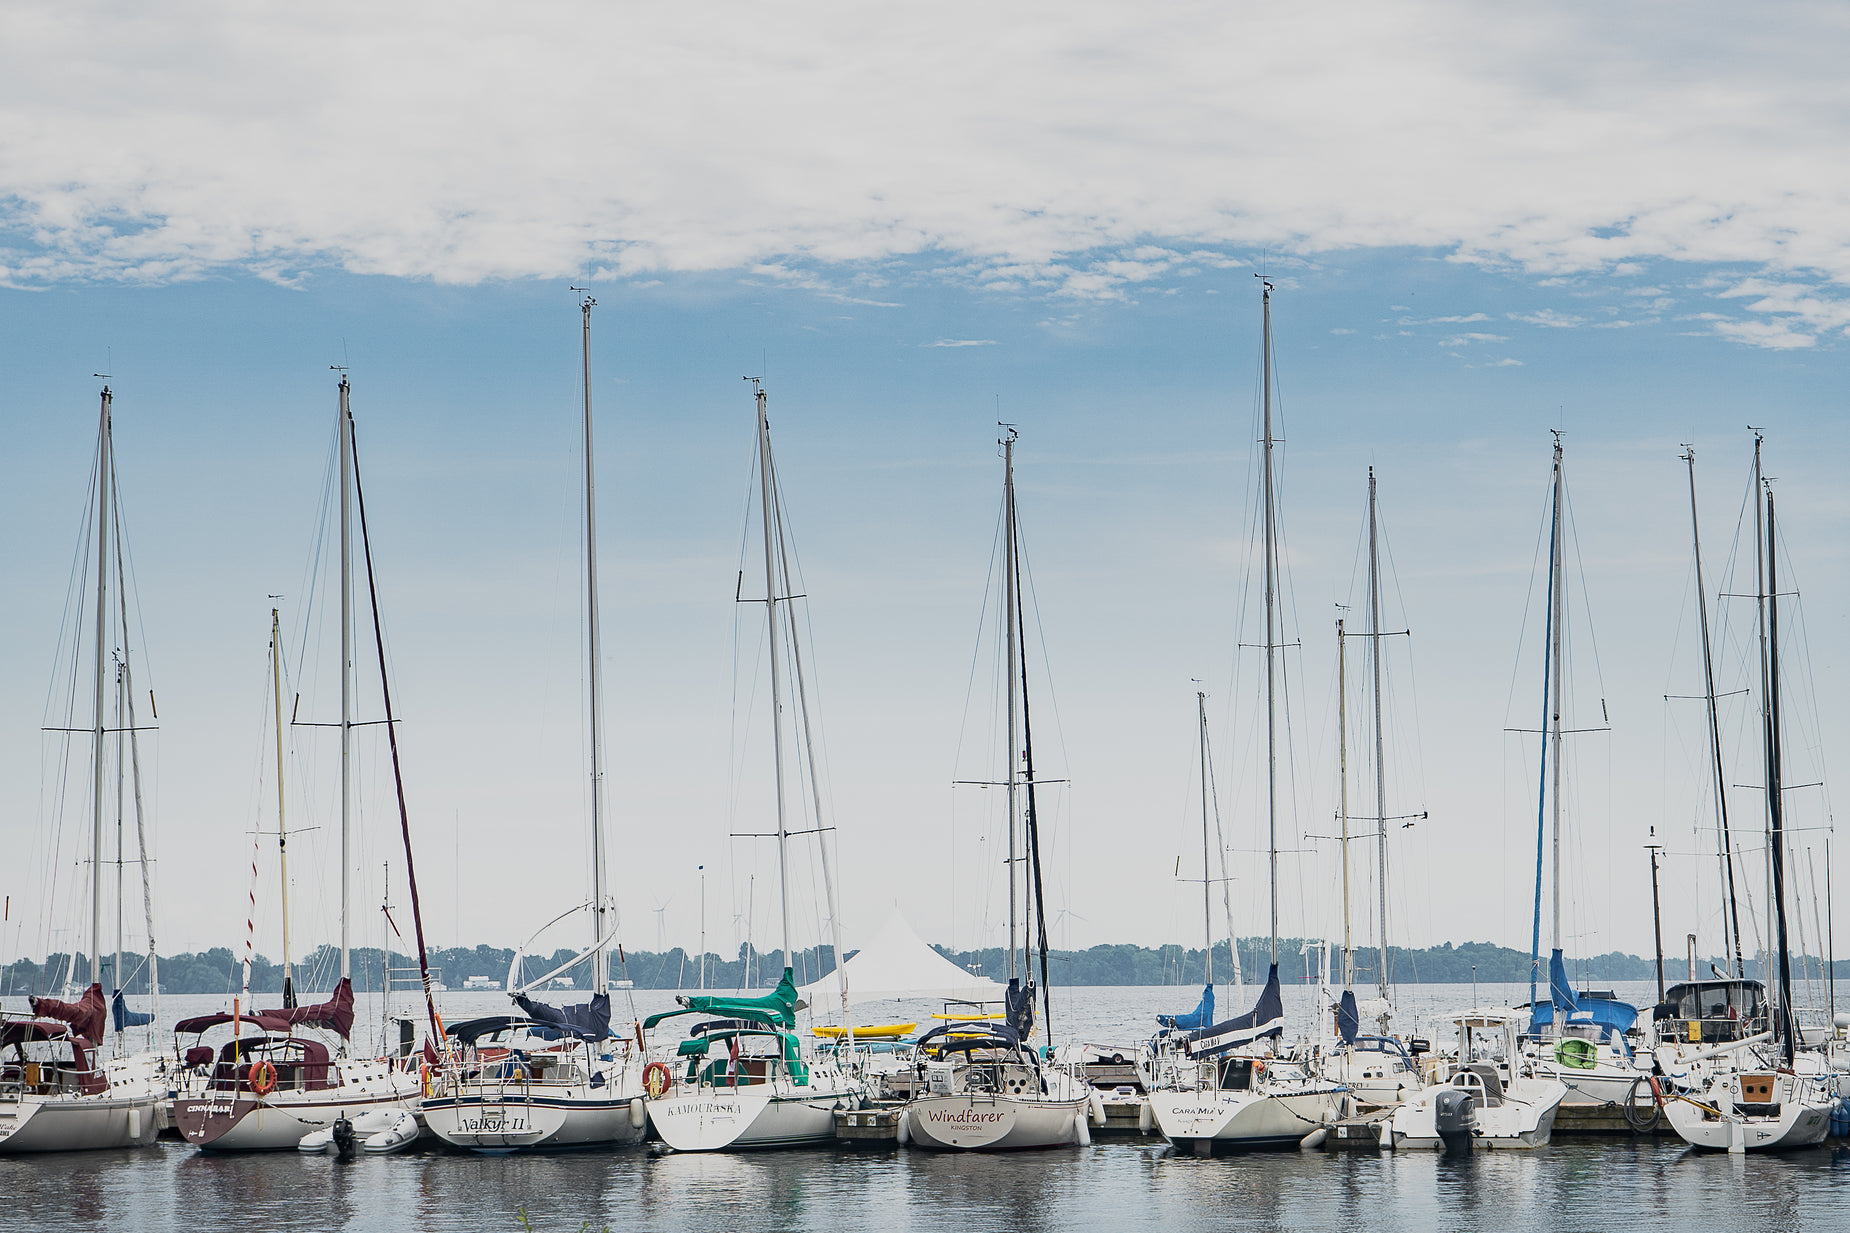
column 896, row 966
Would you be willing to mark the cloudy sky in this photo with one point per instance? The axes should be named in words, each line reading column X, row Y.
column 1629, row 225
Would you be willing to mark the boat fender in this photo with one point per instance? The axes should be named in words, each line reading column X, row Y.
column 1082, row 1134
column 1329, row 1115
column 263, row 1078
column 427, row 1079
column 1146, row 1118
column 639, row 1113
column 1314, row 1139
column 905, row 1127
column 1098, row 1108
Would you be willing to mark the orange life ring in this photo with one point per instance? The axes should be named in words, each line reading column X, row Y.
column 427, row 1078
column 656, row 1079
column 263, row 1078
column 1259, row 1069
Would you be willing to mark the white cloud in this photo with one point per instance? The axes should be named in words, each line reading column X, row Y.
column 961, row 342
column 1076, row 149
column 1549, row 317
column 1465, row 340
column 1505, row 362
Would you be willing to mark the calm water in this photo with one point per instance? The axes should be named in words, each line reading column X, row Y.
column 1112, row 1184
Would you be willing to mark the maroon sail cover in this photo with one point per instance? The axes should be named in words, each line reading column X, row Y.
column 335, row 1014
column 88, row 1015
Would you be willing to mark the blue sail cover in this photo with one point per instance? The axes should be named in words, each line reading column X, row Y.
column 587, row 1021
column 1348, row 1019
column 1267, row 1019
column 1196, row 1019
column 126, row 1018
column 1612, row 1017
column 1020, row 1008
column 1560, row 996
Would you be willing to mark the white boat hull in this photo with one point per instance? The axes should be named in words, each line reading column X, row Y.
column 981, row 1122
column 1242, row 1119
column 238, row 1121
column 763, row 1115
column 1524, row 1121
column 78, row 1123
column 515, row 1119
column 1802, row 1119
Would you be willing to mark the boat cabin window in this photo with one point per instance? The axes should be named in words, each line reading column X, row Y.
column 1236, row 1075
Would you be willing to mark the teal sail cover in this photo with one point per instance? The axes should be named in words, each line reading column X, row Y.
column 777, row 1008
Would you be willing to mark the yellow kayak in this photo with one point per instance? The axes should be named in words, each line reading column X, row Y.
column 970, row 1018
column 876, row 1031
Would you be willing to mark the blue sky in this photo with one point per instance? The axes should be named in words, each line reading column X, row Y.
column 1476, row 237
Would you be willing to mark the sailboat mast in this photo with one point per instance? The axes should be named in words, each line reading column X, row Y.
column 601, row 965
column 815, row 780
column 282, row 829
column 1557, row 627
column 1207, row 863
column 1271, row 671
column 1760, row 619
column 1008, row 621
column 776, row 655
column 1374, row 658
column 116, row 972
column 1731, row 917
column 1541, row 789
column 1342, row 790
column 134, row 760
column 344, row 436
column 1776, row 847
column 105, row 470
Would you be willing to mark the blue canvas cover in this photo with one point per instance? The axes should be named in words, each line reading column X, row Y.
column 1613, row 1017
column 1561, row 996
column 1020, row 1008
column 1196, row 1019
column 126, row 1018
column 1348, row 1019
column 586, row 1021
column 1266, row 1019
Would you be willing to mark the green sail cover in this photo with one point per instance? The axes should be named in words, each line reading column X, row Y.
column 777, row 1008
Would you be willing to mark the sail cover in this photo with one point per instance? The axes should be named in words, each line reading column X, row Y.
column 895, row 964
column 1348, row 1021
column 1560, row 997
column 126, row 1018
column 335, row 1014
column 586, row 1021
column 1196, row 1019
column 1020, row 1005
column 777, row 1008
column 1266, row 1019
column 88, row 1015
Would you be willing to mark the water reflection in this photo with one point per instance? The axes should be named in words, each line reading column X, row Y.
column 1124, row 1184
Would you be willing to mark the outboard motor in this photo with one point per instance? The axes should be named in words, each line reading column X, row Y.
column 1456, row 1119
column 343, row 1136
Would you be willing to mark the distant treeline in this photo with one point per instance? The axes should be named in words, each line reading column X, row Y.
column 217, row 971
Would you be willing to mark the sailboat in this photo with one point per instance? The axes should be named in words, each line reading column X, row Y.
column 56, row 1094
column 551, row 1077
column 763, row 1092
column 297, row 1074
column 1376, row 1068
column 1579, row 1040
column 1232, row 1088
column 1763, row 1103
column 986, row 1087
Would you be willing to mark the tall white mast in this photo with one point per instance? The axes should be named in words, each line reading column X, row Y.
column 282, row 828
column 121, row 724
column 1271, row 672
column 1559, row 576
column 1731, row 919
column 1207, row 864
column 1008, row 622
column 1766, row 679
column 344, row 434
column 775, row 644
column 1342, row 791
column 601, row 965
column 105, row 468
column 1374, row 657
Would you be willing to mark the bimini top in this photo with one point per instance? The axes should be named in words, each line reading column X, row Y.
column 1488, row 1017
column 966, row 1037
